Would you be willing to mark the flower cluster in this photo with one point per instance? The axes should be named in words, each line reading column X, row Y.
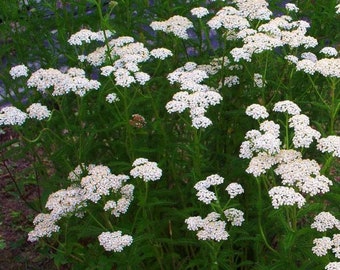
column 89, row 185
column 12, row 116
column 114, row 241
column 146, row 170
column 121, row 205
column 199, row 12
column 281, row 195
column 203, row 194
column 100, row 182
column 38, row 111
column 235, row 216
column 87, row 36
column 73, row 80
column 177, row 25
column 18, row 71
column 209, row 228
column 112, row 97
column 330, row 144
column 161, row 53
column 263, row 147
column 234, row 189
column 323, row 222
column 197, row 97
column 229, row 18
column 291, row 7
column 327, row 67
column 277, row 32
column 124, row 56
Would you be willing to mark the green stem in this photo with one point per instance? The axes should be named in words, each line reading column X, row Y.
column 197, row 154
column 97, row 221
column 335, row 105
column 286, row 131
column 259, row 214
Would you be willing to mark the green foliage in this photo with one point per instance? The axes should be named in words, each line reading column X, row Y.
column 84, row 130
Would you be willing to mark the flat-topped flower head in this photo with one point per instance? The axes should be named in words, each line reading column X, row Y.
column 228, row 18
column 257, row 111
column 62, row 83
column 87, row 36
column 161, row 53
column 333, row 265
column 18, row 71
column 306, row 65
column 329, row 51
column 111, row 98
column 328, row 67
column 114, row 241
column 254, row 10
column 44, row 225
column 177, row 25
column 321, row 246
column 203, row 194
column 12, row 116
column 330, row 144
column 199, row 12
column 65, row 201
column 285, row 196
column 287, row 106
column 234, row 216
column 146, row 170
column 291, row 7
column 209, row 228
column 325, row 221
column 38, row 111
column 234, row 189
column 336, row 245
column 260, row 164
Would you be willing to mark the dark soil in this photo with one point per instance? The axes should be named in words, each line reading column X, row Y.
column 16, row 216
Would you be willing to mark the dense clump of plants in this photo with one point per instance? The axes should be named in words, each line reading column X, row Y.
column 177, row 134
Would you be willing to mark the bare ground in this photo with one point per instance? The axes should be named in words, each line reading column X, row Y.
column 16, row 217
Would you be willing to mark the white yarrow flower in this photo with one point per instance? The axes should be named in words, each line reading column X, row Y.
column 287, row 106
column 161, row 53
column 12, row 116
column 337, row 11
column 38, row 111
column 199, row 12
column 285, row 196
column 177, row 25
column 325, row 221
column 330, row 144
column 333, row 265
column 234, row 216
column 111, row 98
column 18, row 71
column 291, row 7
column 234, row 189
column 257, row 111
column 321, row 246
column 146, row 170
column 209, row 228
column 114, row 241
column 329, row 51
